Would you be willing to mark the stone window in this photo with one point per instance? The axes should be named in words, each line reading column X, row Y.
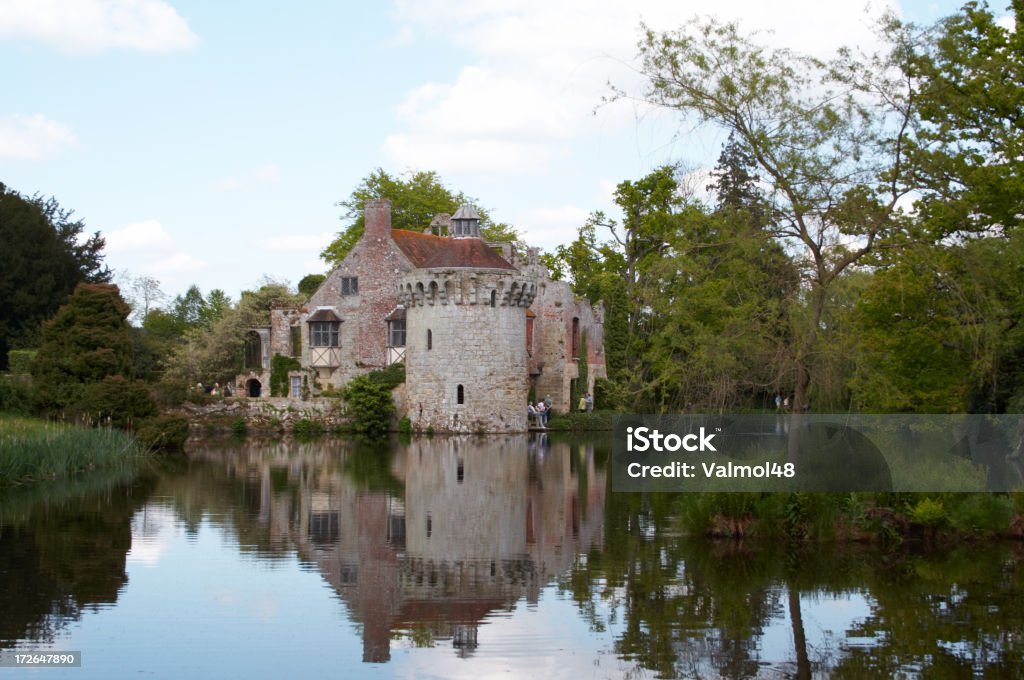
column 323, row 333
column 396, row 333
column 575, row 338
column 296, row 340
column 296, row 391
column 494, row 298
column 349, row 285
column 253, row 351
column 430, row 339
column 460, row 395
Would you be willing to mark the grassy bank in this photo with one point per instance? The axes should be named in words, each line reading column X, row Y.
column 33, row 450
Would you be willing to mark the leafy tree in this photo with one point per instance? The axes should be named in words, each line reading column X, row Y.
column 214, row 353
column 217, row 303
column 309, row 283
column 829, row 140
column 43, row 262
column 415, row 199
column 88, row 340
column 968, row 152
column 190, row 308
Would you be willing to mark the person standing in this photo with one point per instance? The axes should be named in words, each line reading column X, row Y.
column 589, row 402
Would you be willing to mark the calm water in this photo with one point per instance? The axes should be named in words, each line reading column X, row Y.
column 466, row 558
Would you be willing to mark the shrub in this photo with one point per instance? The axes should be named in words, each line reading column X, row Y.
column 983, row 513
column 929, row 512
column 239, row 428
column 405, row 426
column 167, row 434
column 15, row 394
column 117, row 401
column 307, row 429
column 389, row 378
column 369, row 403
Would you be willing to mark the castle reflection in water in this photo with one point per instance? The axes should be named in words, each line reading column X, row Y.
column 453, row 530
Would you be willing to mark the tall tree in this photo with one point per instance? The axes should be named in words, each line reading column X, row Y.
column 969, row 149
column 416, row 198
column 88, row 340
column 45, row 257
column 828, row 139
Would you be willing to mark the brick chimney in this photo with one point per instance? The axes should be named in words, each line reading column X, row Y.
column 377, row 218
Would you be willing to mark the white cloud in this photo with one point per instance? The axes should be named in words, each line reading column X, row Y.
column 267, row 175
column 537, row 68
column 178, row 262
column 138, row 236
column 297, row 243
column 32, row 137
column 94, row 25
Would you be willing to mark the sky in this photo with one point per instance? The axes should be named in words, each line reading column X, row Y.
column 210, row 142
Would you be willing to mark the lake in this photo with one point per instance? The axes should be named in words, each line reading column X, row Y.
column 466, row 558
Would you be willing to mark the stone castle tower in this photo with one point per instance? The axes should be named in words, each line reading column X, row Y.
column 466, row 355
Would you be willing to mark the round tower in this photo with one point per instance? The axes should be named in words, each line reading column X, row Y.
column 465, row 355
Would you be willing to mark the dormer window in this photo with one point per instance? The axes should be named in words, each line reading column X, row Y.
column 466, row 223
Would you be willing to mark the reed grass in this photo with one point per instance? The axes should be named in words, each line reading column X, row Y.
column 33, row 450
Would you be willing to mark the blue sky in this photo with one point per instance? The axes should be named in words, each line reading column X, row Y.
column 210, row 141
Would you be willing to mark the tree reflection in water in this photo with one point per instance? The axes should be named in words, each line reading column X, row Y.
column 426, row 542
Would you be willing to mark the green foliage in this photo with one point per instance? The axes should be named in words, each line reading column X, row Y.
column 279, row 367
column 369, row 405
column 215, row 353
column 15, row 394
column 929, row 512
column 46, row 255
column 239, row 428
column 164, row 433
column 969, row 149
column 405, row 426
column 307, row 429
column 309, row 283
column 416, row 198
column 388, row 378
column 19, row 361
column 87, row 341
column 983, row 513
column 578, row 421
column 117, row 402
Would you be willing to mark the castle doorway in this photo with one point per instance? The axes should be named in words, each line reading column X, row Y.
column 253, row 387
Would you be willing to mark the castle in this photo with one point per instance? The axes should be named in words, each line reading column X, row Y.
column 478, row 326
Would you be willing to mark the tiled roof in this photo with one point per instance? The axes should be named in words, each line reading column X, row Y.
column 427, row 251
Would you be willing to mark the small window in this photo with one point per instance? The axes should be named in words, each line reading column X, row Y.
column 575, row 337
column 296, row 341
column 460, row 395
column 296, row 386
column 349, row 285
column 430, row 339
column 396, row 333
column 323, row 333
column 494, row 298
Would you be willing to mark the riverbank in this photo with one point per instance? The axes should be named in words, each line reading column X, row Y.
column 34, row 450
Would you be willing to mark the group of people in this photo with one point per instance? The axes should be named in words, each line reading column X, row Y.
column 214, row 391
column 539, row 413
column 787, row 404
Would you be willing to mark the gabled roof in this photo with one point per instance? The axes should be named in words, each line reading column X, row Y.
column 426, row 251
column 323, row 314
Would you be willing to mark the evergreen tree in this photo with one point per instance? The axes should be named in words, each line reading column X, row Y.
column 88, row 340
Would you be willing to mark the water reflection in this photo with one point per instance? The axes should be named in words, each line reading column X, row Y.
column 427, row 547
column 457, row 557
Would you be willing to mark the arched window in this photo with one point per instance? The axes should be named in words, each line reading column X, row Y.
column 494, row 298
column 430, row 339
column 460, row 395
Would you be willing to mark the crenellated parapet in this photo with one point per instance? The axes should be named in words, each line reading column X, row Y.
column 495, row 289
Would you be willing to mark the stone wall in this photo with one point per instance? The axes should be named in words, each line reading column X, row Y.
column 444, row 352
column 378, row 263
